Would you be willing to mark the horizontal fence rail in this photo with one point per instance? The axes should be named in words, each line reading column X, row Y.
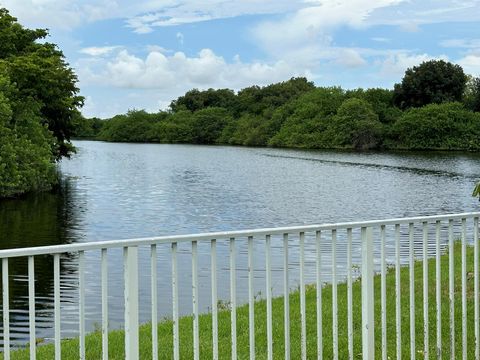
column 386, row 289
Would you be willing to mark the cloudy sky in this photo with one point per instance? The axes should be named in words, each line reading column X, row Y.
column 142, row 54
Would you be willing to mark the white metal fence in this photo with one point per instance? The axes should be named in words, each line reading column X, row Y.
column 356, row 252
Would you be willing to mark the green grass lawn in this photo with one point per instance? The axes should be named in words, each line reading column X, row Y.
column 116, row 344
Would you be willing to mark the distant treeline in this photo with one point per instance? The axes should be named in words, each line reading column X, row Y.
column 434, row 107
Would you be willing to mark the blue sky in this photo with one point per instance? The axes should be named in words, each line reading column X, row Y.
column 142, row 54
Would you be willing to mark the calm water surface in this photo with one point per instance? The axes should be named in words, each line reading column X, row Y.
column 117, row 191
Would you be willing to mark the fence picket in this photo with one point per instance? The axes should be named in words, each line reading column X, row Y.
column 407, row 247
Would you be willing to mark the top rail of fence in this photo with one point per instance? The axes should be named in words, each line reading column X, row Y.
column 68, row 248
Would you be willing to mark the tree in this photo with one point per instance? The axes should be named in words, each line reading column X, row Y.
column 174, row 128
column 86, row 127
column 356, row 125
column 304, row 120
column 447, row 126
column 26, row 160
column 381, row 101
column 38, row 99
column 135, row 126
column 41, row 74
column 256, row 100
column 471, row 97
column 208, row 124
column 434, row 81
column 195, row 100
column 249, row 130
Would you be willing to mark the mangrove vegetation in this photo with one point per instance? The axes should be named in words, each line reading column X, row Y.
column 38, row 100
column 434, row 107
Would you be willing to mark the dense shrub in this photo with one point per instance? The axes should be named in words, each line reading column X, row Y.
column 355, row 125
column 249, row 130
column 439, row 126
column 135, row 126
column 26, row 157
column 86, row 128
column 208, row 124
column 311, row 115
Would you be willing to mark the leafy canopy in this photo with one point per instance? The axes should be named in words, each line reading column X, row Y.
column 26, row 159
column 40, row 74
column 38, row 100
column 434, row 81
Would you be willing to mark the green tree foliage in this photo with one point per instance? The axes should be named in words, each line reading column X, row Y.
column 249, row 130
column 295, row 113
column 40, row 73
column 381, row 100
column 312, row 113
column 175, row 128
column 26, row 158
column 195, row 100
column 471, row 97
column 208, row 124
column 38, row 100
column 135, row 126
column 86, row 128
column 447, row 126
column 264, row 100
column 208, row 117
column 202, row 127
column 434, row 81
column 355, row 125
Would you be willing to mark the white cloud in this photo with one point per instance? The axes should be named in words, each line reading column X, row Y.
column 350, row 58
column 298, row 41
column 410, row 26
column 98, row 50
column 139, row 28
column 145, row 24
column 62, row 14
column 380, row 39
column 312, row 25
column 152, row 82
column 144, row 15
column 461, row 43
column 89, row 107
column 141, row 24
column 394, row 65
column 43, row 14
column 304, row 38
column 176, row 12
column 162, row 71
column 471, row 64
column 444, row 10
column 410, row 14
column 131, row 72
column 157, row 48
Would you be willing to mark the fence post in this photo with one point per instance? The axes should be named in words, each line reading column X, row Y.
column 368, row 331
column 130, row 261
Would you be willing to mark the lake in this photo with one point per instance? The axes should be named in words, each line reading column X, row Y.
column 117, row 191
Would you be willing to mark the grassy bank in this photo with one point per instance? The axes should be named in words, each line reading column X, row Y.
column 93, row 341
